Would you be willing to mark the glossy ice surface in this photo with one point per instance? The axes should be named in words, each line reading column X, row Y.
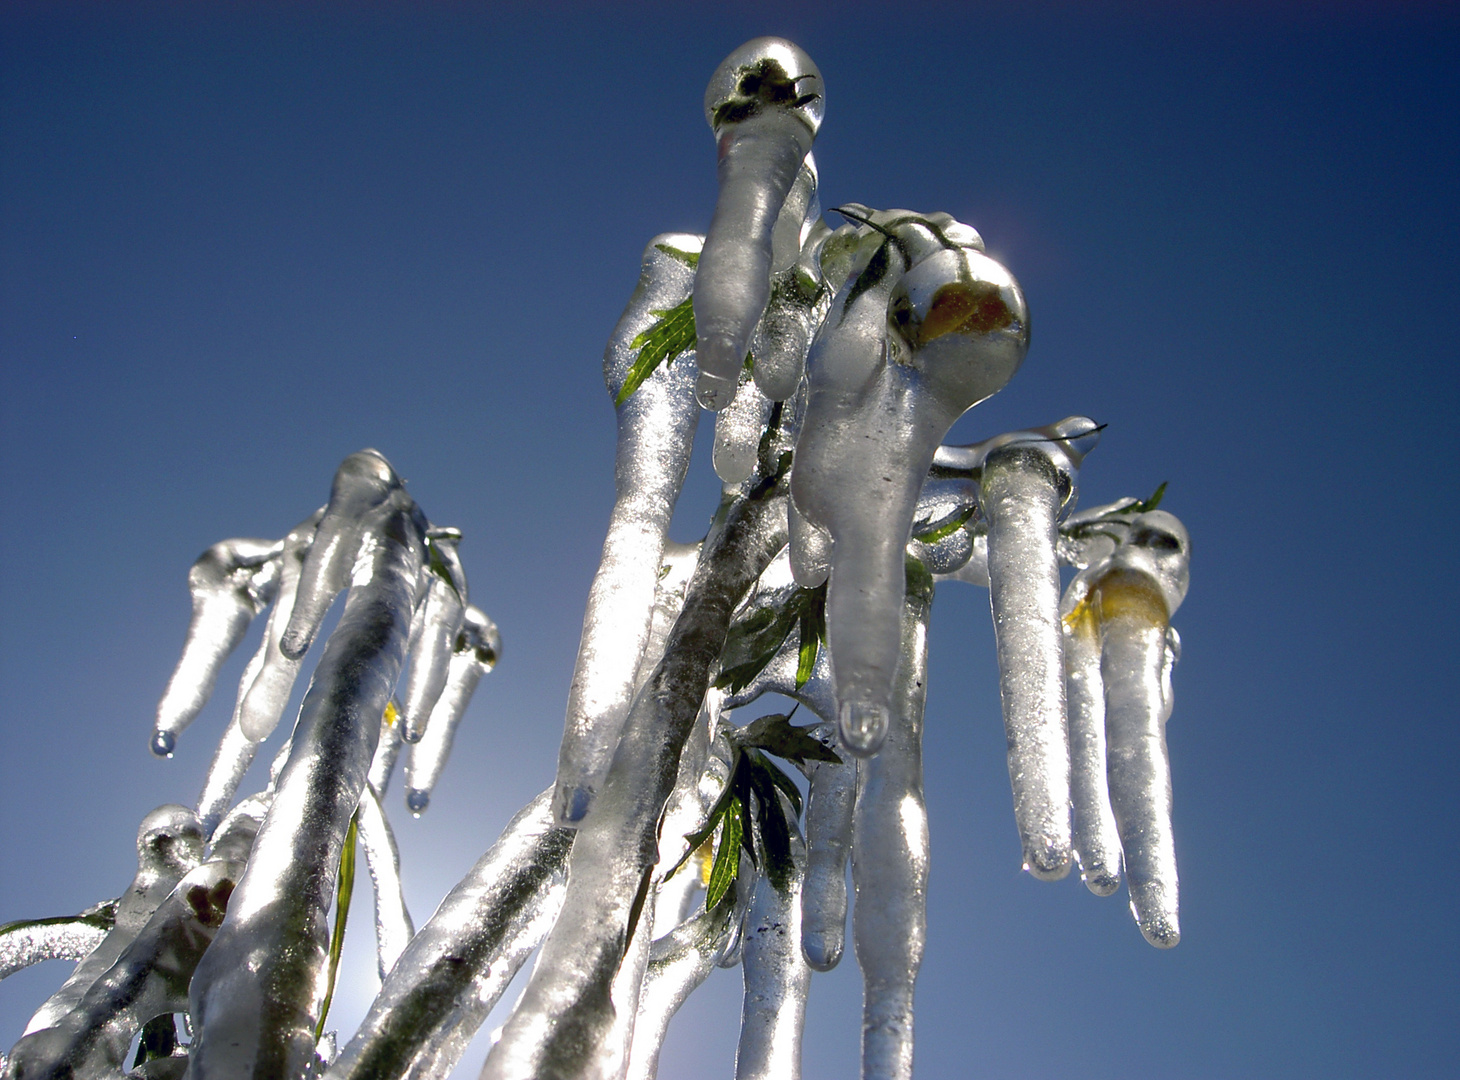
column 673, row 838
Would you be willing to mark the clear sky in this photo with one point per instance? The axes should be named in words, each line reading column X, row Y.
column 239, row 242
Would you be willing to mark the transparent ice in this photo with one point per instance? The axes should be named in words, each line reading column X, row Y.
column 673, row 840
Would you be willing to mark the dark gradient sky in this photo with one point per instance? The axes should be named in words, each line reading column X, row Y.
column 238, row 244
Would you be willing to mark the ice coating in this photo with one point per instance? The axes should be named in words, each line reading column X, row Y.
column 829, row 806
column 774, row 590
column 945, row 523
column 1144, row 583
column 1027, row 480
column 476, row 650
column 1022, row 500
column 393, row 926
column 810, row 550
column 25, row 943
column 925, row 327
column 363, row 484
column 656, row 428
column 256, row 995
column 387, row 751
column 773, row 1010
column 434, row 629
column 798, row 302
column 738, row 427
column 233, row 756
column 890, row 858
column 230, row 584
column 169, row 845
column 678, row 963
column 565, row 1014
column 458, row 965
column 765, row 103
column 262, row 705
column 1095, row 837
column 148, row 979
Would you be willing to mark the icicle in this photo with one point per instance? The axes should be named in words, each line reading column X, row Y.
column 738, row 428
column 363, row 484
column 829, row 805
column 810, row 549
column 798, row 303
column 264, row 699
column 230, row 583
column 679, row 963
column 455, row 969
column 29, row 942
column 437, row 623
column 477, row 648
column 169, row 844
column 148, row 978
column 890, row 857
column 925, row 327
column 1028, row 478
column 1144, row 584
column 1095, row 839
column 387, row 750
column 773, row 1012
column 256, row 995
column 765, row 104
column 393, row 926
column 565, row 1013
column 656, row 428
column 234, row 755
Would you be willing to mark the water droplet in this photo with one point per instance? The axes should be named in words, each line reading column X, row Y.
column 163, row 743
column 417, row 800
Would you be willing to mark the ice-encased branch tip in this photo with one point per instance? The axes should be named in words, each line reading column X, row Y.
column 764, row 103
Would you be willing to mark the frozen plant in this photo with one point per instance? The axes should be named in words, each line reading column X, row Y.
column 675, row 838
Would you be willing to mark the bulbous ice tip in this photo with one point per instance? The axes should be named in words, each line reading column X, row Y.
column 417, row 801
column 1101, row 882
column 713, row 392
column 1160, row 928
column 822, row 951
column 1045, row 859
column 571, row 803
column 765, row 73
column 863, row 726
column 163, row 743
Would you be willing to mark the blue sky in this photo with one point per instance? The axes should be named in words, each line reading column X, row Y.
column 237, row 244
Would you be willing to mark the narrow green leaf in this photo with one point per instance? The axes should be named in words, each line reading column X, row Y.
column 438, row 566
column 673, row 334
column 712, row 819
column 771, row 778
column 743, row 789
column 775, row 834
column 1154, row 501
column 689, row 258
column 777, row 735
column 933, row 533
column 344, row 890
column 727, row 856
